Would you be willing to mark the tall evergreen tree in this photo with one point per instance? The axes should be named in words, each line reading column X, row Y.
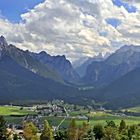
column 47, row 133
column 98, row 131
column 73, row 131
column 82, row 131
column 3, row 131
column 30, row 131
column 110, row 133
column 122, row 125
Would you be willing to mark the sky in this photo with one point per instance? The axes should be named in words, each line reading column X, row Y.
column 75, row 28
column 12, row 9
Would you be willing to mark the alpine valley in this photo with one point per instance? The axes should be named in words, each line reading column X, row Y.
column 112, row 80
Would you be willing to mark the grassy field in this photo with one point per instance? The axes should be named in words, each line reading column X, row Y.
column 102, row 117
column 134, row 109
column 56, row 121
column 7, row 111
column 16, row 120
column 95, row 117
column 98, row 118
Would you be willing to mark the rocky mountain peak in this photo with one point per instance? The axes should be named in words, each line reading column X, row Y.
column 3, row 42
column 42, row 53
column 59, row 63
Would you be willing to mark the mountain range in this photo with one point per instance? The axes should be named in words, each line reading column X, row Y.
column 81, row 70
column 24, row 77
column 112, row 80
column 59, row 64
column 121, row 93
column 102, row 73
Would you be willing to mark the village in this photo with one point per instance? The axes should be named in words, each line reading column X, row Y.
column 58, row 113
column 52, row 109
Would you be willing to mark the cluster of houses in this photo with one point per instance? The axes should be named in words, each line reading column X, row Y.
column 56, row 108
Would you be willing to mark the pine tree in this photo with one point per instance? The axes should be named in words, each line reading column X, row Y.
column 30, row 131
column 47, row 133
column 73, row 131
column 3, row 131
column 110, row 133
column 82, row 131
column 98, row 131
column 122, row 125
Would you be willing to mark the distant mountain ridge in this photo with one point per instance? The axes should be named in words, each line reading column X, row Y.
column 24, row 78
column 81, row 70
column 57, row 68
column 114, row 81
column 60, row 64
column 26, row 60
column 124, row 60
column 121, row 93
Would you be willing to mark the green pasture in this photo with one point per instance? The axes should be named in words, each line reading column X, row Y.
column 134, row 109
column 94, row 117
column 11, row 110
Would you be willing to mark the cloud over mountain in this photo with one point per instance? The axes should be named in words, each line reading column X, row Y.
column 75, row 28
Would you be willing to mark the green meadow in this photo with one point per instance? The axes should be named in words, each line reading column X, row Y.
column 94, row 117
column 10, row 110
column 98, row 118
column 134, row 109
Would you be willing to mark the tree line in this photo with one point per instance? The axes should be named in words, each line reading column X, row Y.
column 110, row 131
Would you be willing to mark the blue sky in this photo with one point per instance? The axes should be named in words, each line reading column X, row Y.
column 114, row 22
column 130, row 8
column 12, row 9
column 127, row 6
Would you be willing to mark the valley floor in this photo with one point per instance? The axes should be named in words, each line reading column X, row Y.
column 60, row 114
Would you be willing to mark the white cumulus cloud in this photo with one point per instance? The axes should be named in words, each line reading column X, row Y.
column 76, row 28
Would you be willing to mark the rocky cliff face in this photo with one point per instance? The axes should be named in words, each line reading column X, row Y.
column 60, row 64
column 24, row 59
column 22, row 77
column 3, row 45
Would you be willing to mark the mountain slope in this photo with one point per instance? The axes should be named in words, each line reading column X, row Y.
column 121, row 93
column 81, row 70
column 60, row 64
column 124, row 92
column 116, row 65
column 19, row 83
column 24, row 59
column 24, row 77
